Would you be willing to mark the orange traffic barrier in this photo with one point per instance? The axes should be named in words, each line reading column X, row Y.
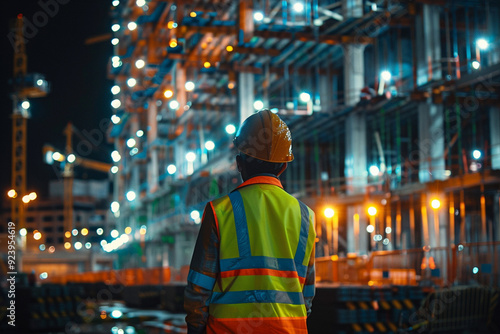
column 126, row 277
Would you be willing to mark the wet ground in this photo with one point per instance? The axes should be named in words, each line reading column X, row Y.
column 116, row 318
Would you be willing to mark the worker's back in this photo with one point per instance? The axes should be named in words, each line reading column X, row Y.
column 266, row 240
column 252, row 269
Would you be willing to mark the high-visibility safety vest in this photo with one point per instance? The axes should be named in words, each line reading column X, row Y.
column 266, row 240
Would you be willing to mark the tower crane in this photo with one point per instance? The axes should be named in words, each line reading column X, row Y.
column 68, row 162
column 25, row 86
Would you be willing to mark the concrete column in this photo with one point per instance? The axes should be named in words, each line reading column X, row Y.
column 357, row 236
column 180, row 89
column 355, row 155
column 179, row 250
column 495, row 137
column 152, row 134
column 326, row 92
column 432, row 41
column 354, row 73
column 245, row 21
column 437, row 233
column 352, row 8
column 352, row 226
column 496, row 217
column 494, row 30
column 246, row 95
column 431, row 142
column 363, row 236
column 428, row 45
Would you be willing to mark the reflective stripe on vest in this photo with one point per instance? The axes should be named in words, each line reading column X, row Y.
column 262, row 278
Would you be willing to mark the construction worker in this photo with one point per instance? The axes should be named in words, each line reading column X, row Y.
column 252, row 269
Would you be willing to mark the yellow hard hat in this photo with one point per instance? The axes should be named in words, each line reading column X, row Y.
column 265, row 136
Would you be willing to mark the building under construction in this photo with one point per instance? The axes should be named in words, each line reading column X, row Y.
column 393, row 107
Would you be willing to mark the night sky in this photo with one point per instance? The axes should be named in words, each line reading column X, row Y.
column 80, row 89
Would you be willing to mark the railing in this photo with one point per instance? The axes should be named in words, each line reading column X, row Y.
column 477, row 263
column 126, row 277
column 440, row 266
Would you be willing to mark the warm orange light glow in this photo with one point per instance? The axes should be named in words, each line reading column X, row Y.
column 37, row 236
column 329, row 212
column 435, row 203
column 32, row 196
column 12, row 193
column 85, row 231
column 173, row 43
column 423, row 265
column 67, row 245
column 192, row 14
column 142, row 231
column 372, row 211
column 432, row 264
column 207, row 64
column 67, row 234
column 170, row 24
column 230, row 85
column 128, row 230
column 229, row 48
column 204, row 45
column 168, row 93
column 26, row 199
column 334, row 257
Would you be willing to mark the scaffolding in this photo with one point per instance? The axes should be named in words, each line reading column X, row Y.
column 391, row 105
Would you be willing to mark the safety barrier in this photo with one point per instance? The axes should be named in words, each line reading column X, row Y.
column 363, row 309
column 439, row 266
column 460, row 309
column 48, row 307
column 126, row 277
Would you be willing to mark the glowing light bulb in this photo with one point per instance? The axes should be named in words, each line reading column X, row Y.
column 189, row 86
column 132, row 26
column 140, row 63
column 329, row 212
column 258, row 16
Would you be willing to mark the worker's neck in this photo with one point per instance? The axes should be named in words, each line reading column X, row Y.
column 245, row 177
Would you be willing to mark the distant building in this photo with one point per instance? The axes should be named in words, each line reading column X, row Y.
column 52, row 251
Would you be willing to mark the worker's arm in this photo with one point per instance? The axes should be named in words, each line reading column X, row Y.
column 202, row 274
column 310, row 283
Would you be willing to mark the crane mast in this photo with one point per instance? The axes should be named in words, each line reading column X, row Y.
column 25, row 86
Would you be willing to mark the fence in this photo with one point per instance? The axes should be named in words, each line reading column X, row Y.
column 440, row 266
column 126, row 277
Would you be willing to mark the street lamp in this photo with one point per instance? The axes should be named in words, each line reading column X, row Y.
column 372, row 211
column 481, row 44
column 436, row 204
column 385, row 77
column 329, row 212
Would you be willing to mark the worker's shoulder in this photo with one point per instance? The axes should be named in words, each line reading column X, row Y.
column 311, row 211
column 220, row 200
